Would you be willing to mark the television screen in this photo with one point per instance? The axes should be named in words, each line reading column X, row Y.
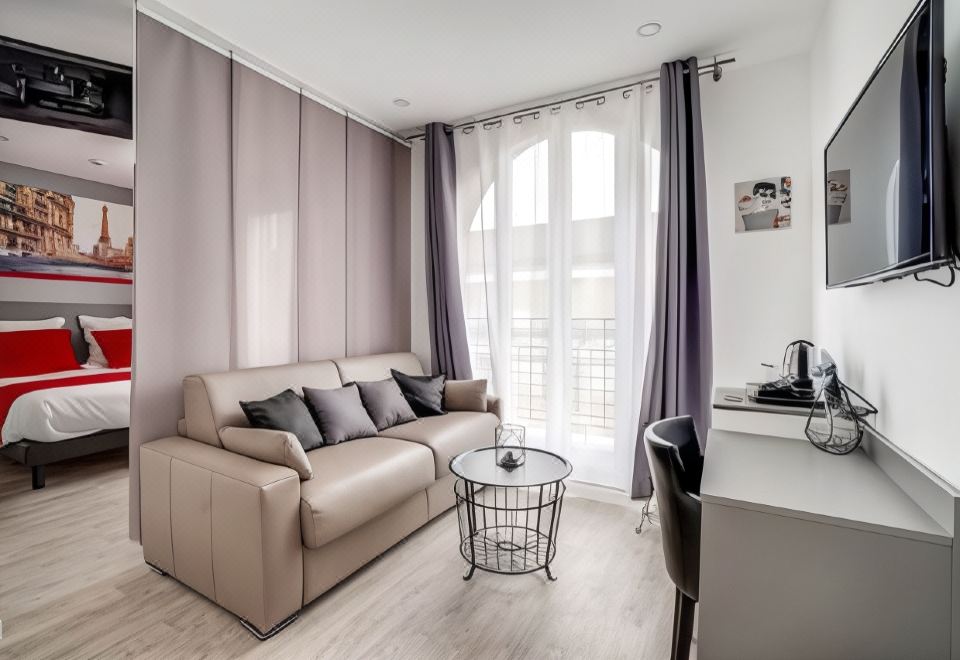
column 951, row 51
column 880, row 166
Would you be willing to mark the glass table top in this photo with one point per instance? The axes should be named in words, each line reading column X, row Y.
column 541, row 467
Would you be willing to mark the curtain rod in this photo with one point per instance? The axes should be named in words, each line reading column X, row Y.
column 715, row 67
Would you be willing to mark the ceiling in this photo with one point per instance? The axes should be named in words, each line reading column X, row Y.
column 66, row 151
column 102, row 29
column 454, row 60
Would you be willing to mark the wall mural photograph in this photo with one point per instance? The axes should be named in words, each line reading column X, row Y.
column 51, row 235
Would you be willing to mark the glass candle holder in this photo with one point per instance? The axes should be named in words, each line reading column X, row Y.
column 510, row 450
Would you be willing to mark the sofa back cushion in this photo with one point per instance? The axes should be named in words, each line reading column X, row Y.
column 212, row 401
column 377, row 367
column 339, row 413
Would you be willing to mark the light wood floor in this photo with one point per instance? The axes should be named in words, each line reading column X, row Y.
column 73, row 585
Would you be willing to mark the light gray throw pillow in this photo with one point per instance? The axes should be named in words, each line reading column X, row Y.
column 385, row 403
column 339, row 414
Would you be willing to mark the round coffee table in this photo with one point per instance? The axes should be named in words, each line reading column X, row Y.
column 509, row 518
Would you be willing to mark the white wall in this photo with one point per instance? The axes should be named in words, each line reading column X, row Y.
column 894, row 342
column 755, row 126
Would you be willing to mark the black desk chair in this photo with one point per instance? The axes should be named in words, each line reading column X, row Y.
column 676, row 466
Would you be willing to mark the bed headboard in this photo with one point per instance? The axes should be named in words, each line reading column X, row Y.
column 29, row 311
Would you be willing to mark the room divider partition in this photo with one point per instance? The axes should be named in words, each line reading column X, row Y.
column 270, row 228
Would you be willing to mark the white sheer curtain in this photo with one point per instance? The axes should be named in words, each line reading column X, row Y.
column 557, row 222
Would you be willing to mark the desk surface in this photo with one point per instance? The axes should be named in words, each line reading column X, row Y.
column 792, row 477
column 735, row 398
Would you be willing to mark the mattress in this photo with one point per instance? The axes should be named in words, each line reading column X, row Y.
column 64, row 412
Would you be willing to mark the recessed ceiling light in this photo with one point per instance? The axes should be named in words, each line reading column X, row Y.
column 401, row 102
column 4, row 138
column 99, row 162
column 649, row 29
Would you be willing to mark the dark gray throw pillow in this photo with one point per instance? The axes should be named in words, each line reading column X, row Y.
column 423, row 393
column 385, row 403
column 339, row 414
column 284, row 412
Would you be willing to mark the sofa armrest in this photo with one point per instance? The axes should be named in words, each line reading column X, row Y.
column 225, row 525
column 269, row 446
column 493, row 406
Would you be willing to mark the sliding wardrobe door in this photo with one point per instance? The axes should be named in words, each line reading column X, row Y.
column 322, row 260
column 378, row 244
column 183, row 248
column 266, row 146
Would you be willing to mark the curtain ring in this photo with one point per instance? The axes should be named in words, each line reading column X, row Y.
column 579, row 105
column 467, row 130
column 555, row 110
column 626, row 93
column 492, row 124
column 518, row 119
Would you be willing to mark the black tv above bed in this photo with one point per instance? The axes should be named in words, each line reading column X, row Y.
column 888, row 208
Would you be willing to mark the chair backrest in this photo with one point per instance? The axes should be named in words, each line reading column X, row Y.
column 676, row 466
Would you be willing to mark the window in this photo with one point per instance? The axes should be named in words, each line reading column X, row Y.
column 485, row 218
column 530, row 206
column 592, row 179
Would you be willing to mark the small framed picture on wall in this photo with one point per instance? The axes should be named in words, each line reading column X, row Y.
column 763, row 204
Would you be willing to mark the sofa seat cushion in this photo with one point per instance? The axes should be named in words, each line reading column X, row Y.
column 354, row 482
column 449, row 435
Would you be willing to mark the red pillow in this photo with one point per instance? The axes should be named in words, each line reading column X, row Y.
column 33, row 352
column 117, row 346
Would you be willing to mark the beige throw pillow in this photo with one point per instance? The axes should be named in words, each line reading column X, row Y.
column 269, row 446
column 465, row 395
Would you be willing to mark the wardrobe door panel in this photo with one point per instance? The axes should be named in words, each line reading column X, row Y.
column 266, row 154
column 378, row 246
column 322, row 261
column 183, row 254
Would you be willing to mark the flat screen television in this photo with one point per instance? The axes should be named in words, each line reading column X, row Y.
column 889, row 210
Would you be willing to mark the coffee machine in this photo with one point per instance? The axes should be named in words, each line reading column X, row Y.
column 794, row 387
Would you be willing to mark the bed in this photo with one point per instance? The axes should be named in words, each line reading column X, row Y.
column 52, row 417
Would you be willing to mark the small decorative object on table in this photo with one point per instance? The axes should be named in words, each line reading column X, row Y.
column 510, row 446
column 835, row 423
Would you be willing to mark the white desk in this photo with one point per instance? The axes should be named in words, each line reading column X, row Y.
column 809, row 555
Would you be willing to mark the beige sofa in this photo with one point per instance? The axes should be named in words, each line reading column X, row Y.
column 252, row 536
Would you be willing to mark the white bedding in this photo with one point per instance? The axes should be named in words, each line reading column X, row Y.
column 67, row 412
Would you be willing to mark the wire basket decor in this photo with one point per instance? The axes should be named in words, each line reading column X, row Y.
column 835, row 423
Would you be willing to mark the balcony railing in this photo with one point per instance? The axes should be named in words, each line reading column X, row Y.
column 592, row 364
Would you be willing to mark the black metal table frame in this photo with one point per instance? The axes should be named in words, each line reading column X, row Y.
column 534, row 551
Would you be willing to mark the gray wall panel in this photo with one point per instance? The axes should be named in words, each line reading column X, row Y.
column 183, row 283
column 28, row 176
column 68, row 291
column 322, row 260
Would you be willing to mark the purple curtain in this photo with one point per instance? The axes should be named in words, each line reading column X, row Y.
column 679, row 369
column 448, row 331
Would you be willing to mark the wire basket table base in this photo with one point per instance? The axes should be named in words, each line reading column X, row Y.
column 509, row 530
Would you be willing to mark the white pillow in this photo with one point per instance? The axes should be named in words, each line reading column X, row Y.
column 90, row 323
column 44, row 324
